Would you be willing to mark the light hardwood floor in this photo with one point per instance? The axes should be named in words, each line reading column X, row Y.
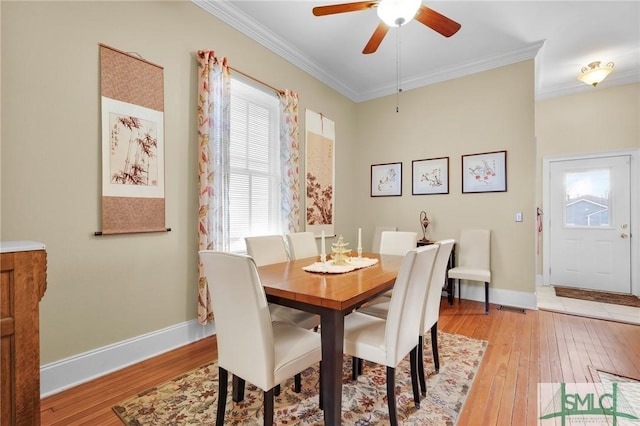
column 524, row 349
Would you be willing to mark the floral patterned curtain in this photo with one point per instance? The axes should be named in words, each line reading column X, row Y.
column 214, row 84
column 214, row 88
column 290, row 161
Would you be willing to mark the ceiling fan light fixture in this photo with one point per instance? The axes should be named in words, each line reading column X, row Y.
column 395, row 13
column 593, row 73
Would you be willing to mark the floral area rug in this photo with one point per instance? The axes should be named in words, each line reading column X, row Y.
column 191, row 399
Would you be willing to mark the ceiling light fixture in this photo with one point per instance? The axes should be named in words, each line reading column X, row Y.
column 593, row 73
column 395, row 13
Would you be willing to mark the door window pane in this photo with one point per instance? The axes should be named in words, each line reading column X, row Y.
column 587, row 198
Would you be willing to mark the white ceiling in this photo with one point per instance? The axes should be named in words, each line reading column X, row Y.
column 562, row 36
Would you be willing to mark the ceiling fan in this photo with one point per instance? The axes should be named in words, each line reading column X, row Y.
column 394, row 13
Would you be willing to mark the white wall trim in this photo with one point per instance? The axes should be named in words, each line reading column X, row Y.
column 499, row 296
column 69, row 372
column 635, row 209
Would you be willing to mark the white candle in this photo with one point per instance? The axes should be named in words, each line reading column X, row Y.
column 323, row 253
column 359, row 238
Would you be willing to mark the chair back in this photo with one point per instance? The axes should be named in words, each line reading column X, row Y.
column 267, row 249
column 243, row 323
column 302, row 244
column 375, row 246
column 407, row 303
column 474, row 249
column 397, row 242
column 439, row 274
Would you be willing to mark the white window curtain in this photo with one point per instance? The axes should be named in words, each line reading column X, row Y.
column 213, row 114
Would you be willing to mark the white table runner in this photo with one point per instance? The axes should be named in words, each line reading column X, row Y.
column 329, row 268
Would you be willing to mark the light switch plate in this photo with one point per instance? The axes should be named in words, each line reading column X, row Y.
column 518, row 216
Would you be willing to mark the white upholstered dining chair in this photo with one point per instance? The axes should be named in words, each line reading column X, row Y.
column 388, row 341
column 397, row 243
column 301, row 245
column 269, row 249
column 250, row 345
column 266, row 250
column 473, row 260
column 431, row 310
column 377, row 233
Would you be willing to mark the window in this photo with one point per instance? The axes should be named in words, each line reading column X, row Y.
column 254, row 160
column 587, row 198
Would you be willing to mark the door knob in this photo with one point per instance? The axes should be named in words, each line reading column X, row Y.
column 623, row 235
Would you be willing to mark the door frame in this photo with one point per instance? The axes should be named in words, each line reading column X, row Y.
column 634, row 153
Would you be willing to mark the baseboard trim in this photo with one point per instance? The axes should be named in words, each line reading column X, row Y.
column 499, row 296
column 73, row 371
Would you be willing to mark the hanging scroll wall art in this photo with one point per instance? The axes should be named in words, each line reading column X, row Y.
column 320, row 173
column 132, row 97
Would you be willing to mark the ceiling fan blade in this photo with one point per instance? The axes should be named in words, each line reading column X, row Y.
column 344, row 7
column 376, row 38
column 437, row 22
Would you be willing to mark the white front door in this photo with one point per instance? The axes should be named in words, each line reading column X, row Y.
column 590, row 212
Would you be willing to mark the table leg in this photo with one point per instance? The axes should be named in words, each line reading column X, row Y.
column 332, row 332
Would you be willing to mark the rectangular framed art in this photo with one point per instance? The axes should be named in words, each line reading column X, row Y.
column 485, row 172
column 430, row 176
column 386, row 180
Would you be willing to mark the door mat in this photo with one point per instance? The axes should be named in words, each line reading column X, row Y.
column 598, row 296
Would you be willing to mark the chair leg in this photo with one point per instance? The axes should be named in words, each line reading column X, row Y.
column 268, row 408
column 451, row 290
column 320, row 399
column 486, row 297
column 237, row 392
column 276, row 390
column 459, row 291
column 413, row 359
column 223, row 379
column 354, row 368
column 391, row 395
column 297, row 383
column 423, row 383
column 434, row 346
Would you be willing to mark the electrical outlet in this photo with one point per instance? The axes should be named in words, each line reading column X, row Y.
column 518, row 216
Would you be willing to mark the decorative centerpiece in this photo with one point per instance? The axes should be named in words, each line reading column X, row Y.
column 340, row 252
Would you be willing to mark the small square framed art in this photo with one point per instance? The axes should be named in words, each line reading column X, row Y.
column 386, row 180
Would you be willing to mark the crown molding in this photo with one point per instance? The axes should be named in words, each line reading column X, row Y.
column 231, row 15
column 485, row 64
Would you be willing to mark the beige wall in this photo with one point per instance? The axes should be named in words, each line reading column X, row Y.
column 107, row 289
column 604, row 119
column 489, row 111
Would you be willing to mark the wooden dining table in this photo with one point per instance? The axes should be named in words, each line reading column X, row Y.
column 332, row 296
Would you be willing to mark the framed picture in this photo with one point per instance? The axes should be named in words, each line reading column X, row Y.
column 386, row 180
column 430, row 176
column 486, row 172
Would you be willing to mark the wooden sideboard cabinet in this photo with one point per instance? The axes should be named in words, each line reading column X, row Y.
column 23, row 282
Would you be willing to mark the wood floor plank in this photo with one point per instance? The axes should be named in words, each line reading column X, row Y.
column 523, row 350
